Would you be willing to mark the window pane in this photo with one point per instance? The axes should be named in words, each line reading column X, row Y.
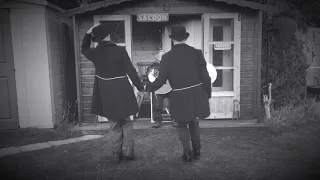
column 221, row 57
column 224, row 81
column 118, row 30
column 221, row 29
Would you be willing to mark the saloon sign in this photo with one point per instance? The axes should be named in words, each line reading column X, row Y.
column 222, row 46
column 157, row 17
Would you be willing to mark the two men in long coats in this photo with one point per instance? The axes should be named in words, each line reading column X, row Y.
column 113, row 95
column 185, row 68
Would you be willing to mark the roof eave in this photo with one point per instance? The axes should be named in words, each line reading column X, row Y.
column 251, row 5
column 106, row 3
column 89, row 7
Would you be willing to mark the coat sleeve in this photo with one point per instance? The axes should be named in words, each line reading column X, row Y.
column 162, row 77
column 131, row 71
column 85, row 47
column 204, row 75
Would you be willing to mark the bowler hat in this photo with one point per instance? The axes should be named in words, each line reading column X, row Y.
column 178, row 33
column 103, row 30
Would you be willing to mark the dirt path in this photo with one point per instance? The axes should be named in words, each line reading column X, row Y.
column 231, row 153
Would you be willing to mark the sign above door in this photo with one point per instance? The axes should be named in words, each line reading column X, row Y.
column 154, row 17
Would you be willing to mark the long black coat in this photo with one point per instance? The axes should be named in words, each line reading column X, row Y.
column 185, row 66
column 113, row 99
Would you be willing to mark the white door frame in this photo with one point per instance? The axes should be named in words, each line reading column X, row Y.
column 236, row 55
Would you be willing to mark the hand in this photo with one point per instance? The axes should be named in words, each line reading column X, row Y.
column 90, row 30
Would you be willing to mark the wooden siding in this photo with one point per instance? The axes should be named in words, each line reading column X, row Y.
column 86, row 79
column 313, row 57
column 248, row 57
column 247, row 65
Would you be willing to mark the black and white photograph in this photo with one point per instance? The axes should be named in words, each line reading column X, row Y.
column 159, row 89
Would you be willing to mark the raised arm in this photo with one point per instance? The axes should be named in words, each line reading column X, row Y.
column 86, row 43
column 204, row 75
column 85, row 47
column 131, row 71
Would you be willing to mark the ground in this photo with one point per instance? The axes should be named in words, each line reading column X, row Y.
column 20, row 137
column 227, row 153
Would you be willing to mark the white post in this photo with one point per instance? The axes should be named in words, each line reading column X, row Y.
column 151, row 108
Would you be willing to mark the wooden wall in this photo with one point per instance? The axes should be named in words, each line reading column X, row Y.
column 313, row 57
column 29, row 39
column 247, row 63
column 249, row 53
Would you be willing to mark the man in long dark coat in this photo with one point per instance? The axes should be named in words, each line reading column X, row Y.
column 185, row 68
column 113, row 96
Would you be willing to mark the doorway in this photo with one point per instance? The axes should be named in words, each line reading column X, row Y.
column 8, row 94
column 151, row 39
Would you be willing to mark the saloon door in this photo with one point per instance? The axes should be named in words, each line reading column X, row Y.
column 221, row 47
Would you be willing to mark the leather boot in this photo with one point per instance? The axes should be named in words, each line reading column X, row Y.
column 174, row 123
column 116, row 158
column 196, row 154
column 129, row 154
column 187, row 157
column 157, row 124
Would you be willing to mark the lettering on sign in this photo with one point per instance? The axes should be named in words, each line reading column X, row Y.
column 153, row 17
column 222, row 46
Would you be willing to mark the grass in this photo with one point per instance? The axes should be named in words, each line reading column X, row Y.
column 227, row 153
column 11, row 138
column 293, row 116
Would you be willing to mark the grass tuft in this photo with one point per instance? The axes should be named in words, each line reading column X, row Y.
column 294, row 115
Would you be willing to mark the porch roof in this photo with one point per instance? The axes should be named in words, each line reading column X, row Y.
column 106, row 3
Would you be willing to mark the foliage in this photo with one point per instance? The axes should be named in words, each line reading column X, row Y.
column 293, row 115
column 68, row 117
column 287, row 70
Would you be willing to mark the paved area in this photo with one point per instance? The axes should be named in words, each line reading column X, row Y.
column 48, row 144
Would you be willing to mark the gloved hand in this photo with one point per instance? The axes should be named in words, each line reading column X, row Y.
column 146, row 87
column 141, row 87
column 207, row 87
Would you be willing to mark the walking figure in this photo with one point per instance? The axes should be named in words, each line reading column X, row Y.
column 113, row 96
column 185, row 68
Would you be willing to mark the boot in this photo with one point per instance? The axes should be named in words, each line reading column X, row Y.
column 157, row 124
column 129, row 154
column 116, row 158
column 174, row 123
column 196, row 154
column 187, row 157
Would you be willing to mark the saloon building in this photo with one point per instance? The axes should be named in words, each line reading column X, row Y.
column 229, row 32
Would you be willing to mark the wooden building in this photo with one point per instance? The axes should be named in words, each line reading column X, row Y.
column 33, row 61
column 227, row 31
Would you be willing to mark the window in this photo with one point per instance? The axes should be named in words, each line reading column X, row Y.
column 221, row 35
column 118, row 31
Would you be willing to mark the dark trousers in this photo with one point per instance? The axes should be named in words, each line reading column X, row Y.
column 121, row 135
column 184, row 130
column 158, row 102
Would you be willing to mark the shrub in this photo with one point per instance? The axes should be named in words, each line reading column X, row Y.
column 287, row 71
column 295, row 114
column 68, row 116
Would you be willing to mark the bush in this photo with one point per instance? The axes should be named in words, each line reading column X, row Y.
column 68, row 117
column 287, row 72
column 294, row 115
